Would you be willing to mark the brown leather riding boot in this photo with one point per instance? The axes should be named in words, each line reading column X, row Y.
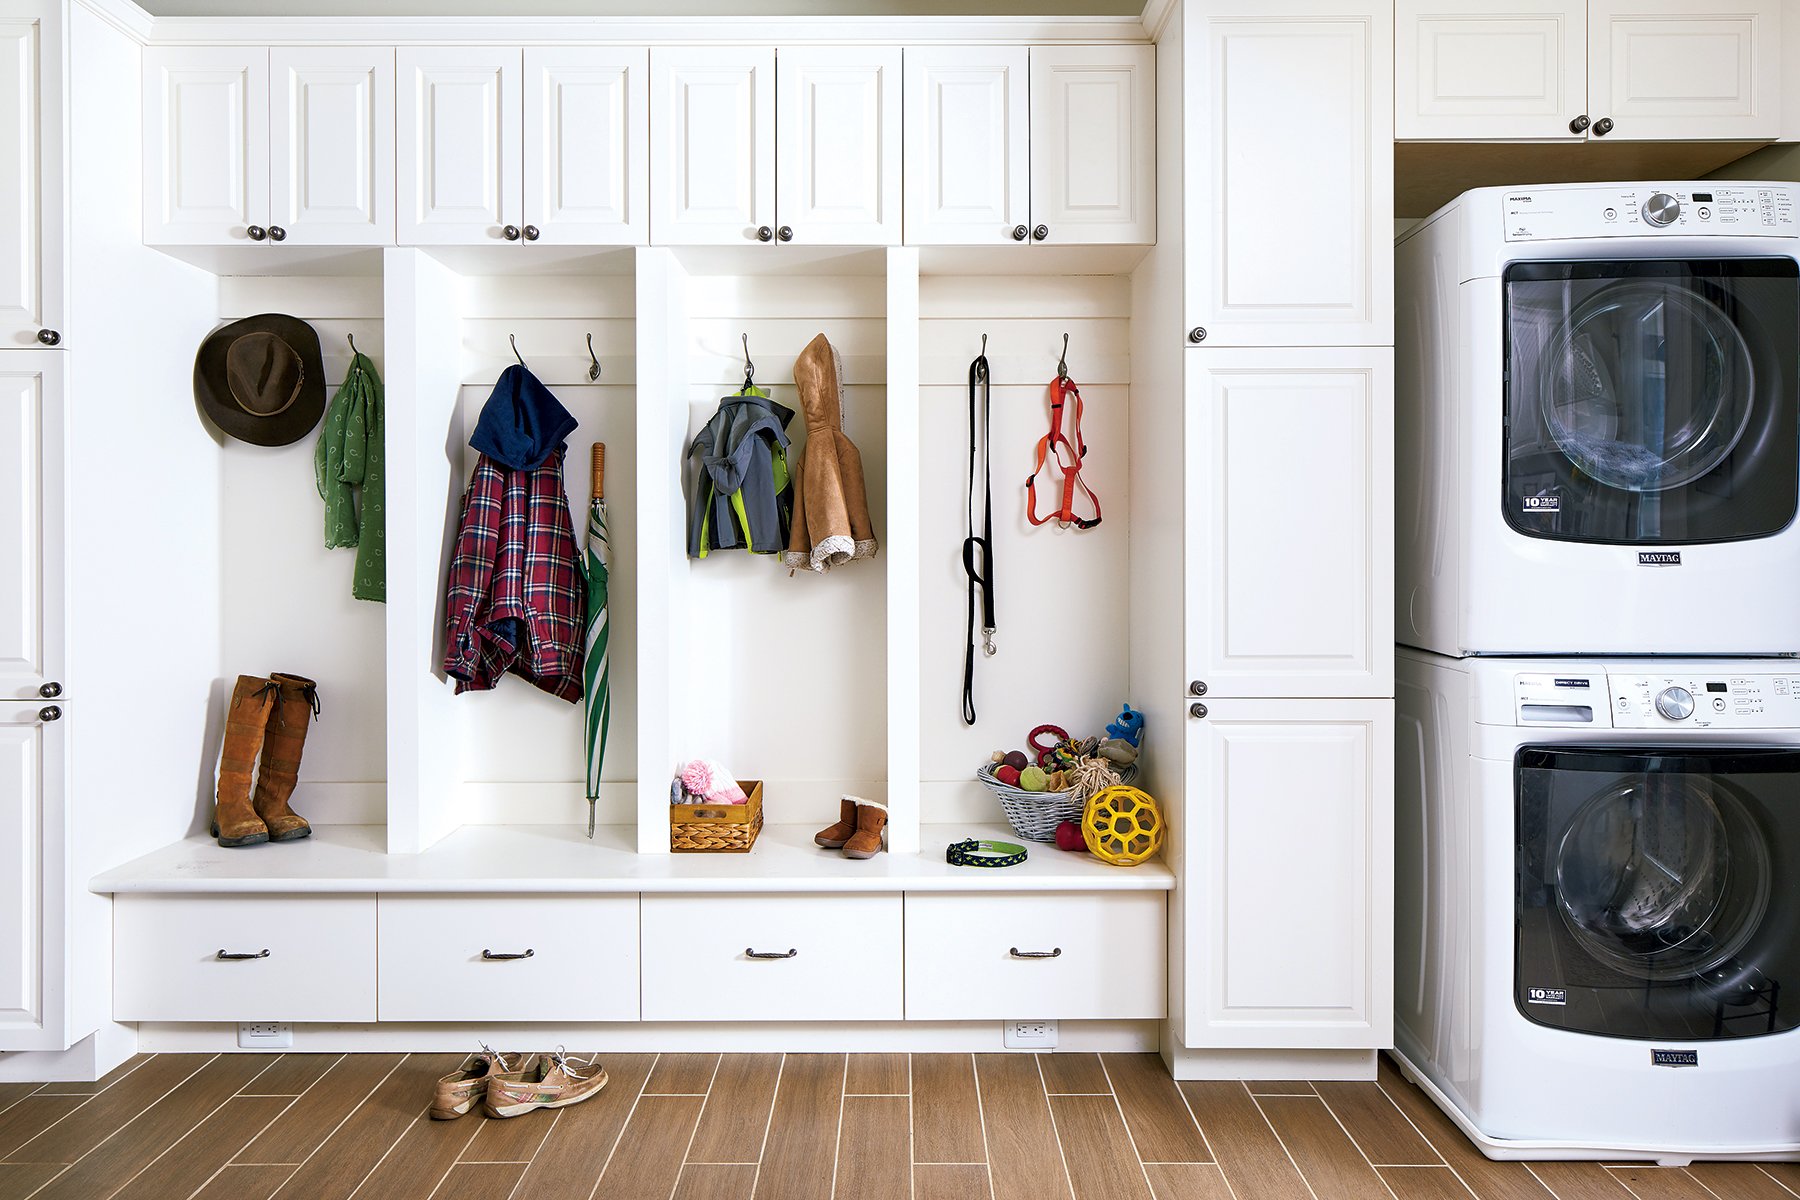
column 834, row 836
column 235, row 822
column 296, row 703
column 866, row 841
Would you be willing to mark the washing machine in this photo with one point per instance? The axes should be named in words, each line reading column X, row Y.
column 1598, row 928
column 1599, row 433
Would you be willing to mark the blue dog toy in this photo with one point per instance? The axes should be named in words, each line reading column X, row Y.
column 1129, row 727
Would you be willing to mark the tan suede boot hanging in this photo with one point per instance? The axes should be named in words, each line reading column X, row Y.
column 235, row 822
column 871, row 819
column 296, row 703
column 832, row 837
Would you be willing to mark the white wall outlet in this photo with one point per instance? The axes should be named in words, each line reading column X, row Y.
column 1031, row 1035
column 276, row 1035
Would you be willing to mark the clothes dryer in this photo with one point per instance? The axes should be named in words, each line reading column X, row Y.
column 1598, row 393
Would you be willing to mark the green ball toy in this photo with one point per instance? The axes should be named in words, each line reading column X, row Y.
column 1033, row 779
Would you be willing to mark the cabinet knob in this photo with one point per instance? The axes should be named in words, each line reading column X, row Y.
column 1041, row 232
column 1197, row 688
column 1603, row 126
column 1020, row 233
column 532, row 233
column 256, row 233
column 510, row 232
column 1197, row 711
column 1579, row 123
column 49, row 713
column 277, row 234
column 785, row 233
column 50, row 691
column 49, row 337
column 764, row 234
column 1197, row 334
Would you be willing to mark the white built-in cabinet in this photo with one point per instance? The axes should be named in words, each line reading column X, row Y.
column 1043, row 145
column 1572, row 70
column 33, row 258
column 293, row 145
column 501, row 145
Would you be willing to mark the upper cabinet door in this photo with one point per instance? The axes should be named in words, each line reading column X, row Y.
column 1291, row 522
column 1290, row 169
column 1471, row 69
column 206, row 144
column 837, row 163
column 1093, row 144
column 712, row 145
column 31, row 525
column 968, row 152
column 331, row 129
column 1677, row 69
column 459, row 162
column 33, row 263
column 587, row 144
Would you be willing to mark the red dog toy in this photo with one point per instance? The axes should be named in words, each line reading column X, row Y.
column 1044, row 752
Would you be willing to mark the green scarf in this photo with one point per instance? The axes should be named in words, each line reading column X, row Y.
column 351, row 455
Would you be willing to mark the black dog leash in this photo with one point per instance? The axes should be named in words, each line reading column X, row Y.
column 978, row 552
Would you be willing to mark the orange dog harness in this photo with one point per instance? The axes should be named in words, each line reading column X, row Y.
column 1067, row 455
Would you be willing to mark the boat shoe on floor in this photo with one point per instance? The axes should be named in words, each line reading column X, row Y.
column 463, row 1089
column 551, row 1082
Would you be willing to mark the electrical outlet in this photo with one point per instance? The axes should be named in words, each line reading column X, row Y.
column 1031, row 1035
column 265, row 1035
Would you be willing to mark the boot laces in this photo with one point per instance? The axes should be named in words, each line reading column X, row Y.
column 311, row 692
column 268, row 689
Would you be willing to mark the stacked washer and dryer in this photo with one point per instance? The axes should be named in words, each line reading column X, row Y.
column 1598, row 936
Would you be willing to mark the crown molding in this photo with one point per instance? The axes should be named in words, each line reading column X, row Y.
column 124, row 16
column 1155, row 17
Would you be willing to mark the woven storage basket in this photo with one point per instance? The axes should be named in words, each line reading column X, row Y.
column 1035, row 815
column 717, row 828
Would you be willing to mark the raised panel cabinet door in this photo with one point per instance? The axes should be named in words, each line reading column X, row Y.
column 459, row 162
column 1683, row 69
column 712, row 145
column 33, row 259
column 206, row 144
column 1290, row 168
column 837, row 160
column 1290, row 557
column 1290, row 829
column 968, row 145
column 32, row 996
column 1471, row 69
column 1093, row 144
column 331, row 139
column 587, row 144
column 31, row 525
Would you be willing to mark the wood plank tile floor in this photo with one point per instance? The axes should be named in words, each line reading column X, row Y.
column 775, row 1127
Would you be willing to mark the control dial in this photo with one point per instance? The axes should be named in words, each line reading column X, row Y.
column 1661, row 209
column 1675, row 703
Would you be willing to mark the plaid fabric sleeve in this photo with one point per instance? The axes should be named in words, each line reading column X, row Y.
column 554, row 587
column 471, row 579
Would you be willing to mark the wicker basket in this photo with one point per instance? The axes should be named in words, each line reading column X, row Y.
column 717, row 828
column 1035, row 815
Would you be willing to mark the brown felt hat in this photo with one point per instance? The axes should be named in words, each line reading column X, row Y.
column 262, row 379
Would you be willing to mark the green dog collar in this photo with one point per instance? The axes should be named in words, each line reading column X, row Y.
column 971, row 853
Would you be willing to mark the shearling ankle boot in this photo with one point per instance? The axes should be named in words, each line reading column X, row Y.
column 296, row 703
column 871, row 819
column 834, row 836
column 235, row 822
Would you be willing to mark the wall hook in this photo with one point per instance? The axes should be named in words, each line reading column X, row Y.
column 515, row 348
column 984, row 345
column 351, row 338
column 749, row 367
column 1062, row 360
column 594, row 370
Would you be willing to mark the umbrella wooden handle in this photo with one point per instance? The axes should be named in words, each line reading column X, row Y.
column 599, row 470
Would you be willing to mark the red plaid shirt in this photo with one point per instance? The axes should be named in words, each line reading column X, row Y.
column 517, row 599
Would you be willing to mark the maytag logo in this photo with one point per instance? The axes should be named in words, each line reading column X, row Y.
column 1659, row 558
column 1674, row 1058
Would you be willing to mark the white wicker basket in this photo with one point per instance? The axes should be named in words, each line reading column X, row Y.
column 1035, row 815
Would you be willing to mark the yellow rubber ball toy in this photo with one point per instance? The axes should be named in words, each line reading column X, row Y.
column 1122, row 825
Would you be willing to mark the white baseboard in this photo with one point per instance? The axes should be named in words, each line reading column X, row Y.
column 1354, row 1065
column 84, row 1062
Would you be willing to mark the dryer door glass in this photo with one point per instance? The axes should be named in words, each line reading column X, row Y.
column 1652, row 402
column 1646, row 897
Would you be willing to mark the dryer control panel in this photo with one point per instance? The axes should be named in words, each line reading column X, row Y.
column 1645, row 210
column 1725, row 700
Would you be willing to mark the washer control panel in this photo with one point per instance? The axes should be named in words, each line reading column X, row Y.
column 1725, row 700
column 1644, row 210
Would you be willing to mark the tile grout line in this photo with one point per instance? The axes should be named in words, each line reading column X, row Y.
column 43, row 1089
column 623, row 1126
column 220, row 1170
column 912, row 1136
column 1037, row 1064
column 1282, row 1142
column 1784, row 1187
column 1541, row 1183
column 698, row 1117
column 768, row 1124
column 1129, row 1136
column 837, row 1143
column 422, row 1114
column 354, row 1109
column 987, row 1153
column 1438, row 1150
column 1192, row 1116
column 1354, row 1144
column 152, row 1103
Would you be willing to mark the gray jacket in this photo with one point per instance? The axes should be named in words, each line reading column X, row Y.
column 741, row 455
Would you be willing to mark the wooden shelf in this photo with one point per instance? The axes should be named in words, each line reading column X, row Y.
column 518, row 859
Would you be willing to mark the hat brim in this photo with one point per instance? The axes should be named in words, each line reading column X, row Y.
column 212, row 391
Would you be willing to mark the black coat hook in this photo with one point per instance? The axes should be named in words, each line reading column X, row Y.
column 515, row 347
column 749, row 367
column 1062, row 360
column 984, row 345
column 351, row 338
column 594, row 370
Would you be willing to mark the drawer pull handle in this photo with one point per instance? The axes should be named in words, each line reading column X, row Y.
column 752, row 953
column 490, row 956
column 227, row 956
column 1018, row 953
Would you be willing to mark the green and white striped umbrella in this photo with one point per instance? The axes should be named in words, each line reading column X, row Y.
column 594, row 665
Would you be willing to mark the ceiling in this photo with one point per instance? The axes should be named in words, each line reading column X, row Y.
column 641, row 8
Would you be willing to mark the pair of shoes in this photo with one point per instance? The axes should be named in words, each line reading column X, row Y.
column 541, row 1081
column 266, row 717
column 858, row 828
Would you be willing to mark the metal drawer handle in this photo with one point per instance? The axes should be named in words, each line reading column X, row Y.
column 490, row 956
column 1018, row 953
column 227, row 956
column 750, row 953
